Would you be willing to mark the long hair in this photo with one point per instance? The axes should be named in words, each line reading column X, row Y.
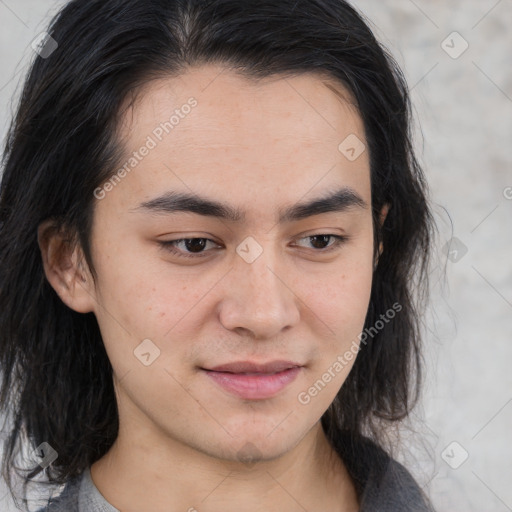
column 63, row 143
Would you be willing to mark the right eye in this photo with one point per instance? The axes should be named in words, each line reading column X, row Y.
column 191, row 247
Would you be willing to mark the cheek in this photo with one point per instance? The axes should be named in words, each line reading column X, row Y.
column 142, row 296
column 339, row 310
column 349, row 297
column 340, row 297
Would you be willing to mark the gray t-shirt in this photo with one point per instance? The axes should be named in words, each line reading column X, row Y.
column 80, row 495
column 382, row 483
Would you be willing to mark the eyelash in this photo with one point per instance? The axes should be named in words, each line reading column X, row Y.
column 170, row 245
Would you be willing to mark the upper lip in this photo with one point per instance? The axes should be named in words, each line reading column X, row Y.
column 252, row 367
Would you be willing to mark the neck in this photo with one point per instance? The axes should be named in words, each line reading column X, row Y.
column 144, row 471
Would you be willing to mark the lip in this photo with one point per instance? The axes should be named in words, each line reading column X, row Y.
column 253, row 367
column 254, row 386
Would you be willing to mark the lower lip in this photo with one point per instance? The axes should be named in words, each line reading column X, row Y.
column 254, row 387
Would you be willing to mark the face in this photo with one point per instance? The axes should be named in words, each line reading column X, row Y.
column 182, row 289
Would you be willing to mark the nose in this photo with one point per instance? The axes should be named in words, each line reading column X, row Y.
column 259, row 298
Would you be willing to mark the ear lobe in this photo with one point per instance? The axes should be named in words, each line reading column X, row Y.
column 63, row 267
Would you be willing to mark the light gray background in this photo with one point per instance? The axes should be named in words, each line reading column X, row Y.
column 464, row 140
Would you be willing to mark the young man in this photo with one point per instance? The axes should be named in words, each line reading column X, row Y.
column 210, row 217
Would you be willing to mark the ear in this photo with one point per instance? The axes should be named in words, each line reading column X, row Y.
column 384, row 213
column 382, row 217
column 64, row 268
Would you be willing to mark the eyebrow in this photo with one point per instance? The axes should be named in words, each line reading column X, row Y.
column 171, row 202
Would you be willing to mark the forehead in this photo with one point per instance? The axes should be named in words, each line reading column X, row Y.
column 306, row 100
column 215, row 132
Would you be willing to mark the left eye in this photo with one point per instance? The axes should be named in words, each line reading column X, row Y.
column 195, row 247
column 323, row 239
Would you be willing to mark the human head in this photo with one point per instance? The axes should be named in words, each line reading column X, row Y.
column 65, row 144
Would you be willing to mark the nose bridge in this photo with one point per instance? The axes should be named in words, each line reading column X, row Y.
column 260, row 300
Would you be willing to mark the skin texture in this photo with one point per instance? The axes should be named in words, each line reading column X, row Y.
column 259, row 147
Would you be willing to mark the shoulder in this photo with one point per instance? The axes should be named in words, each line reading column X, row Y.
column 80, row 494
column 383, row 484
column 67, row 501
column 393, row 488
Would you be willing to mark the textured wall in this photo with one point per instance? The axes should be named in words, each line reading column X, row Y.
column 456, row 57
